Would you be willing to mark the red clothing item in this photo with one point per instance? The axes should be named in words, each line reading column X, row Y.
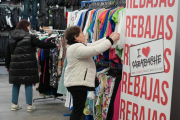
column 117, row 104
column 99, row 57
column 113, row 56
column 39, row 55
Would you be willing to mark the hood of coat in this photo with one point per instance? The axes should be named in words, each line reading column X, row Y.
column 18, row 34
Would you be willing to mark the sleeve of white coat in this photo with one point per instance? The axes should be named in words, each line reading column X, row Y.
column 90, row 51
column 96, row 42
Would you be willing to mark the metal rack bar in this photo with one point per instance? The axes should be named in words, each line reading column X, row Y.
column 5, row 5
column 2, row 63
column 54, row 30
column 83, row 2
column 48, row 98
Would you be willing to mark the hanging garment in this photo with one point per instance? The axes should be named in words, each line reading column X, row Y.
column 3, row 17
column 112, row 102
column 3, row 45
column 15, row 18
column 61, row 88
column 96, row 31
column 42, row 13
column 117, row 103
column 117, row 18
column 54, row 62
column 33, row 13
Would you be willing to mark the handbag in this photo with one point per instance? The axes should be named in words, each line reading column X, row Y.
column 96, row 82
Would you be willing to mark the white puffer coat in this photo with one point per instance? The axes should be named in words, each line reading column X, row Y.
column 81, row 69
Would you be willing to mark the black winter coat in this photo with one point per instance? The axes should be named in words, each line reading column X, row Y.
column 21, row 58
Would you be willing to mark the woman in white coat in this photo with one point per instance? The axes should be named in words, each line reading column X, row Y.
column 81, row 70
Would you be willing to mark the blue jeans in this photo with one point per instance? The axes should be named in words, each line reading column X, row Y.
column 15, row 93
column 33, row 11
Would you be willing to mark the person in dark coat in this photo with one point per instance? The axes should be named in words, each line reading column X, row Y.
column 21, row 62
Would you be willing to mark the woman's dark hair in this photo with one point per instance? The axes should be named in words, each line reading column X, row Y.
column 71, row 32
column 23, row 24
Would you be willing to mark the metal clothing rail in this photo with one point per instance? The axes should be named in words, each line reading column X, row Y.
column 83, row 2
column 11, row 5
column 4, row 34
column 8, row 5
column 54, row 30
column 61, row 32
column 44, row 97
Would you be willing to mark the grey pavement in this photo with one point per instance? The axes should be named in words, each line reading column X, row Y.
column 48, row 109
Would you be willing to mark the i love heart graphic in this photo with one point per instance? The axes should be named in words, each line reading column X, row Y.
column 146, row 51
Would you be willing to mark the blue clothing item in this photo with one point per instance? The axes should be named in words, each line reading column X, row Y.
column 100, row 69
column 28, row 91
column 95, row 57
column 34, row 11
column 80, row 20
column 106, row 53
column 71, row 109
column 90, row 103
column 89, row 117
column 94, row 18
column 91, row 31
column 83, row 15
column 101, row 35
column 61, row 88
column 42, row 55
column 97, row 89
column 92, row 28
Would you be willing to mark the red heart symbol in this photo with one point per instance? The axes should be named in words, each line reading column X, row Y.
column 146, row 51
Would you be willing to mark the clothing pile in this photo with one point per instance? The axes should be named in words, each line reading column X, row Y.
column 9, row 18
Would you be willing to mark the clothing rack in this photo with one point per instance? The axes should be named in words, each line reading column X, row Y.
column 51, row 96
column 61, row 35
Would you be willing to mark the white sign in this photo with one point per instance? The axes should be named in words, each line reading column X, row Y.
column 147, row 58
column 148, row 97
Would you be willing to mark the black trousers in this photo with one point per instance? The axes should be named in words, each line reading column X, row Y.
column 79, row 99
